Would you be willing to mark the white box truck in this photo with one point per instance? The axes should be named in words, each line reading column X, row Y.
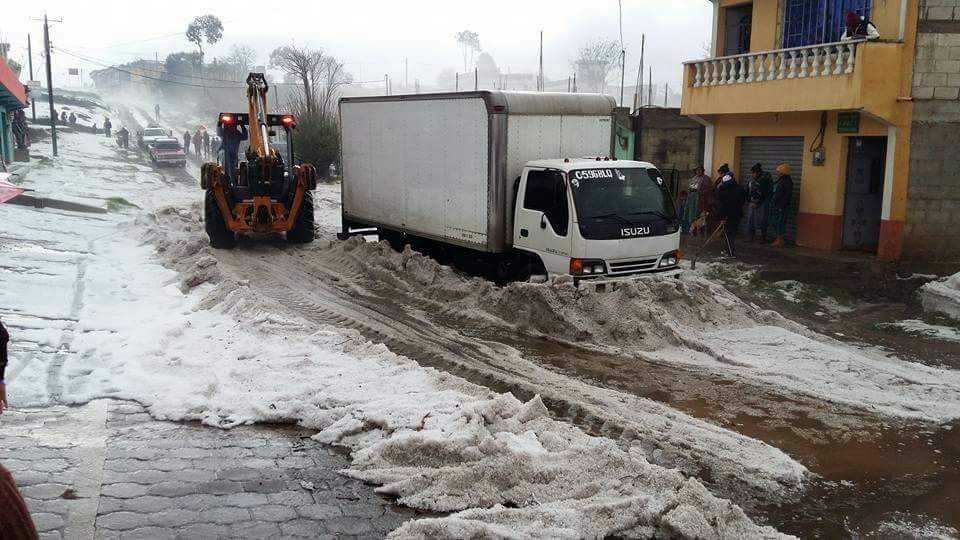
column 517, row 183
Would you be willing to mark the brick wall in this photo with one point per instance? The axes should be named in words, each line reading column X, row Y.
column 668, row 140
column 932, row 229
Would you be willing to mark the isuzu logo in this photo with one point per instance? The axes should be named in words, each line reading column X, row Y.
column 632, row 232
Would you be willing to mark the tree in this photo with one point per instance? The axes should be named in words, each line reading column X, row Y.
column 206, row 28
column 470, row 46
column 183, row 64
column 302, row 65
column 243, row 57
column 594, row 63
column 333, row 77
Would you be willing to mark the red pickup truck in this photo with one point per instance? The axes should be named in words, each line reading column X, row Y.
column 167, row 151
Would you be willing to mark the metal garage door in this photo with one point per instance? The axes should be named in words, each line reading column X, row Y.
column 770, row 152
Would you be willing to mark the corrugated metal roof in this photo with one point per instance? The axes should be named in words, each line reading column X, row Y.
column 12, row 93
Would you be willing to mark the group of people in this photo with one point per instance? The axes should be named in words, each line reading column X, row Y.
column 203, row 145
column 708, row 203
column 66, row 120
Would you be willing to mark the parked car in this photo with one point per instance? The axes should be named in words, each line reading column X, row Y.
column 150, row 135
column 167, row 151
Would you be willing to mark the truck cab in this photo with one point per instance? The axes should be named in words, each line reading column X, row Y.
column 596, row 218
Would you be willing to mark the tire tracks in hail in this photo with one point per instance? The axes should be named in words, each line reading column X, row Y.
column 331, row 291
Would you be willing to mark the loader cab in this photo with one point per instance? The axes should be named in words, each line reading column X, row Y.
column 596, row 218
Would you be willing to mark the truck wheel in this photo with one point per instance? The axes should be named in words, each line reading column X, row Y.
column 220, row 236
column 302, row 231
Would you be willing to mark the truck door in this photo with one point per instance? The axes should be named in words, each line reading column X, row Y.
column 542, row 220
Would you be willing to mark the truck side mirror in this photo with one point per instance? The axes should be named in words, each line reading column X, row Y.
column 543, row 221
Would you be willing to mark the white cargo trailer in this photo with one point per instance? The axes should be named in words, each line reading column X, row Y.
column 503, row 176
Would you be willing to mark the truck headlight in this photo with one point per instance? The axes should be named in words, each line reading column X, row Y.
column 587, row 267
column 670, row 258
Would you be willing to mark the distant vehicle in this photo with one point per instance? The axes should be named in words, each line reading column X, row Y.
column 151, row 134
column 496, row 182
column 167, row 151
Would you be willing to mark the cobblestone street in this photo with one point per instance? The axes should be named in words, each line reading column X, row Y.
column 108, row 470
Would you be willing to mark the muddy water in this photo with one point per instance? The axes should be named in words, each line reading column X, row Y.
column 868, row 471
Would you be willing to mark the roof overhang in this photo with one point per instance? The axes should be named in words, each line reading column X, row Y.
column 13, row 94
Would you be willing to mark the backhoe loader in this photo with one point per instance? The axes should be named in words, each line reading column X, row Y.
column 265, row 193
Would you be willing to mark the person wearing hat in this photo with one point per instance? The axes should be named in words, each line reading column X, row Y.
column 858, row 27
column 758, row 190
column 730, row 199
column 780, row 196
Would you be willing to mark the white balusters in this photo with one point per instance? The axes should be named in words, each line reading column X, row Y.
column 821, row 60
column 852, row 57
column 803, row 62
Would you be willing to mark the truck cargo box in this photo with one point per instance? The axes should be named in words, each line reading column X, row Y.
column 442, row 166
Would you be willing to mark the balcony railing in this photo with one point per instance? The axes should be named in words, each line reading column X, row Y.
column 822, row 60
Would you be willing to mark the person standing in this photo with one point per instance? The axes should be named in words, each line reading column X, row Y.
column 63, row 117
column 730, row 199
column 698, row 195
column 197, row 143
column 107, row 125
column 186, row 142
column 757, row 206
column 780, row 197
column 72, row 119
column 231, row 139
column 206, row 144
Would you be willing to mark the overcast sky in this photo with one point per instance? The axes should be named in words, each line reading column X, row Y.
column 372, row 37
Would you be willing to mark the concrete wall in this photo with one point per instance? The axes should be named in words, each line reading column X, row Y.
column 668, row 140
column 932, row 230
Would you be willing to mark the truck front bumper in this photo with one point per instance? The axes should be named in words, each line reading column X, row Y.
column 612, row 283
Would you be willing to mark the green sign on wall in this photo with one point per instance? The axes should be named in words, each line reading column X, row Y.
column 848, row 122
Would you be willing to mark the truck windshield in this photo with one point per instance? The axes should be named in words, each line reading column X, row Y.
column 154, row 132
column 622, row 193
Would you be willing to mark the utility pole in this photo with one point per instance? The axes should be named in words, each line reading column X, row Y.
column 574, row 83
column 386, row 85
column 638, row 91
column 53, row 115
column 541, row 62
column 406, row 74
column 476, row 78
column 456, row 82
column 666, row 92
column 623, row 54
column 650, row 88
column 33, row 100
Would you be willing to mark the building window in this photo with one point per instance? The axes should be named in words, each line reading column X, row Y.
column 808, row 22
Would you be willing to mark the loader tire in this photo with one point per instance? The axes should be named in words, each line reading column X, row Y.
column 302, row 231
column 220, row 236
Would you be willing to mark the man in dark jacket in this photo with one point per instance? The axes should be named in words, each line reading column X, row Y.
column 730, row 199
column 107, row 126
column 781, row 194
column 231, row 137
column 758, row 190
column 186, row 142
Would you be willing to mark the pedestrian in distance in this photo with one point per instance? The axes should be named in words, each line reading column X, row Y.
column 780, row 197
column 197, row 143
column 730, row 199
column 72, row 119
column 107, row 126
column 698, row 198
column 231, row 137
column 94, row 128
column 206, row 144
column 758, row 190
column 186, row 142
column 215, row 147
column 63, row 117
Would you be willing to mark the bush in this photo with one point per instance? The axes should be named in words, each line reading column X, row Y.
column 317, row 141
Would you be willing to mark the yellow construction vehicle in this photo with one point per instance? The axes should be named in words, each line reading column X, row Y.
column 266, row 193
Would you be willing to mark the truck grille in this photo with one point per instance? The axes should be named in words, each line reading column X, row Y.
column 630, row 267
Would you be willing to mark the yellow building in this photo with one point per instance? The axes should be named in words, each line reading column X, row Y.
column 781, row 86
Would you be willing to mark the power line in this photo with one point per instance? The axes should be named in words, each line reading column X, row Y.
column 104, row 63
